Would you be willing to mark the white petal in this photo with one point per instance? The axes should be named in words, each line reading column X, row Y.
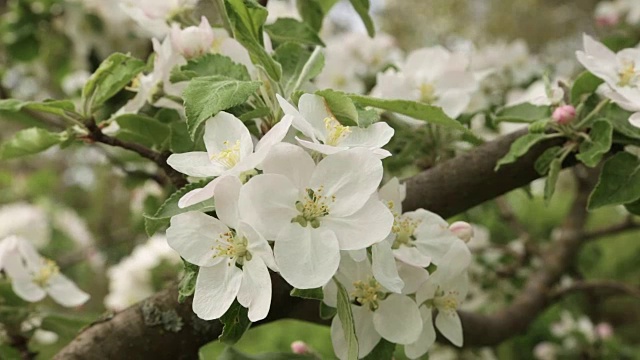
column 65, row 292
column 358, row 255
column 257, row 245
column 255, row 291
column 297, row 119
column 267, row 202
column 226, row 200
column 412, row 256
column 427, row 337
column 448, row 323
column 314, row 110
column 338, row 175
column 426, row 291
column 307, row 258
column 21, row 281
column 275, row 135
column 330, row 292
column 216, row 288
column 291, row 161
column 193, row 235
column 454, row 263
column 412, row 276
column 223, row 131
column 321, row 148
column 427, row 62
column 369, row 225
column 634, row 119
column 398, row 319
column 366, row 334
column 196, row 196
column 384, row 267
column 195, row 163
column 453, row 103
column 393, row 192
column 375, row 136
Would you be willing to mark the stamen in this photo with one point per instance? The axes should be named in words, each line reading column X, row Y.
column 427, row 93
column 367, row 293
column 404, row 227
column 232, row 246
column 46, row 272
column 628, row 75
column 336, row 131
column 313, row 207
column 230, row 156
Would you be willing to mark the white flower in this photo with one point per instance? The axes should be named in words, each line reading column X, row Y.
column 314, row 211
column 26, row 221
column 230, row 151
column 443, row 291
column 376, row 312
column 153, row 15
column 33, row 277
column 620, row 71
column 193, row 41
column 315, row 120
column 218, row 246
column 537, row 93
column 433, row 76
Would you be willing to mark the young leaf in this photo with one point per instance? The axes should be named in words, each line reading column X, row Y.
column 311, row 13
column 619, row 182
column 291, row 30
column 28, row 142
column 586, row 83
column 236, row 323
column 206, row 96
column 341, row 106
column 179, row 139
column 56, row 107
column 543, row 162
column 520, row 147
column 142, row 129
column 346, row 318
column 187, row 285
column 327, row 312
column 633, row 208
column 299, row 65
column 552, row 179
column 112, row 75
column 314, row 294
column 209, row 65
column 362, row 8
column 523, row 113
column 591, row 152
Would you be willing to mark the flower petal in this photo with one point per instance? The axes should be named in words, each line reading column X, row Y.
column 448, row 323
column 255, row 291
column 193, row 235
column 427, row 336
column 196, row 196
column 226, row 200
column 21, row 281
column 366, row 334
column 367, row 226
column 321, row 148
column 398, row 319
column 216, row 288
column 196, row 163
column 384, row 267
column 298, row 121
column 307, row 258
column 65, row 292
column 412, row 276
column 291, row 161
column 257, row 245
column 412, row 256
column 375, row 136
column 314, row 110
column 223, row 131
column 393, row 192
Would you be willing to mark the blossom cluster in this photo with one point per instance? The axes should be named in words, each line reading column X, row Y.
column 611, row 13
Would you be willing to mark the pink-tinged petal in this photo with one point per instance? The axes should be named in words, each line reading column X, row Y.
column 255, row 290
column 267, row 203
column 65, row 292
column 216, row 288
column 196, row 164
column 384, row 267
column 223, row 131
column 367, row 226
column 448, row 323
column 352, row 189
column 398, row 320
column 196, row 196
column 226, row 200
column 307, row 257
column 298, row 121
column 366, row 334
column 291, row 161
column 427, row 337
column 194, row 236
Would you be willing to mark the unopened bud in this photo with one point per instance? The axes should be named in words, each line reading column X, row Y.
column 564, row 114
column 463, row 230
column 193, row 41
column 604, row 330
column 299, row 347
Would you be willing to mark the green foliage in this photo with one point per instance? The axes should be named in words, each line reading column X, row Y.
column 144, row 130
column 619, row 118
column 346, row 318
column 179, row 138
column 383, row 351
column 585, row 84
column 552, row 178
column 314, row 294
column 231, row 353
column 28, row 142
column 543, row 162
column 591, row 151
column 205, row 96
column 523, row 113
column 520, row 147
column 64, row 325
column 236, row 323
column 187, row 286
column 209, row 65
column 341, row 106
column 619, row 182
column 327, row 312
column 362, row 8
column 112, row 75
column 299, row 65
column 291, row 30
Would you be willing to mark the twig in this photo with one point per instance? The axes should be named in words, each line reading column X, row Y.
column 594, row 285
column 627, row 225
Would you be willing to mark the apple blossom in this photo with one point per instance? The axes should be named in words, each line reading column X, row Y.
column 154, row 15
column 192, row 41
column 315, row 120
column 26, row 221
column 564, row 114
column 314, row 211
column 230, row 151
column 219, row 246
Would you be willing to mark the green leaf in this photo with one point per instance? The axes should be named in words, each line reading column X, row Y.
column 247, row 18
column 586, row 83
column 341, row 106
column 231, row 353
column 170, row 208
column 299, row 65
column 327, row 312
column 416, row 110
column 366, row 117
column 112, row 75
column 236, row 323
column 142, row 129
column 633, row 208
column 64, row 325
column 187, row 285
column 383, row 351
column 523, row 113
column 180, row 141
column 619, row 182
column 326, row 5
column 346, row 318
column 255, row 113
column 543, row 162
column 205, row 96
column 56, row 107
column 209, row 65
column 314, row 294
column 311, row 13
column 520, row 147
column 591, row 152
column 552, row 179
column 362, row 8
column 619, row 118
column 29, row 141
column 291, row 30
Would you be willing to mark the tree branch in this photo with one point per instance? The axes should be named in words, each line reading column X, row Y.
column 627, row 225
column 596, row 285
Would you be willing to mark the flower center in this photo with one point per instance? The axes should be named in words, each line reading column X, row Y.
column 313, row 207
column 230, row 156
column 403, row 228
column 336, row 131
column 367, row 293
column 340, row 81
column 45, row 273
column 446, row 302
column 427, row 93
column 628, row 75
column 232, row 246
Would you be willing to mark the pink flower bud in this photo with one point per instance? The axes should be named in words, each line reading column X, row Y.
column 193, row 41
column 299, row 347
column 604, row 330
column 607, row 20
column 463, row 230
column 564, row 114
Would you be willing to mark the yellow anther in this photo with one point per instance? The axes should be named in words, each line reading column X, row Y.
column 232, row 246
column 447, row 302
column 46, row 272
column 336, row 131
column 628, row 75
column 404, row 227
column 427, row 93
column 230, row 156
column 367, row 293
column 313, row 207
